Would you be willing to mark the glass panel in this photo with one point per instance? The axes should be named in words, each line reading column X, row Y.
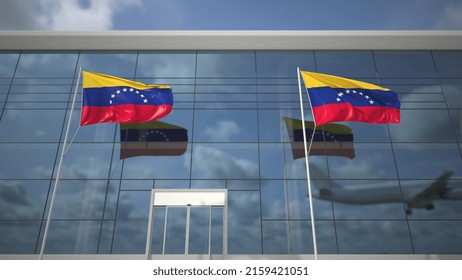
column 274, row 200
column 448, row 63
column 140, row 185
column 456, row 118
column 105, row 240
column 366, row 199
column 18, row 237
column 349, row 64
column 47, row 65
column 272, row 161
column 176, row 231
column 244, row 222
column 225, row 126
column 277, row 64
column 120, row 63
column 404, row 64
column 372, row 161
column 299, row 203
column 436, row 237
column 166, row 64
column 8, row 63
column 427, row 161
column 217, row 231
column 158, row 230
column 225, row 161
column 243, row 184
column 226, row 64
column 436, row 128
column 301, row 240
column 31, row 125
column 271, row 126
column 73, row 237
column 22, row 199
column 27, row 161
column 199, row 230
column 453, row 92
column 373, row 237
column 275, row 237
column 132, row 222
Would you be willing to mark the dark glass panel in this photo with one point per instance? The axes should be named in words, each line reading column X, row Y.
column 456, row 118
column 244, row 222
column 79, row 199
column 208, row 184
column 453, row 92
column 163, row 64
column 120, row 63
column 8, row 61
column 225, row 161
column 22, row 199
column 404, row 64
column 27, row 161
column 448, row 63
column 296, row 169
column 175, row 240
column 348, row 64
column 138, row 185
column 243, row 184
column 301, row 240
column 225, row 126
column 436, row 237
column 105, row 240
column 372, row 161
column 274, row 200
column 299, row 203
column 132, row 222
column 373, row 237
column 18, row 237
column 272, row 161
column 225, row 64
column 427, row 161
column 283, row 64
column 199, row 230
column 275, row 237
column 73, row 237
column 47, row 65
column 171, row 184
column 158, row 228
column 366, row 199
column 423, row 126
column 217, row 231
column 271, row 126
column 31, row 125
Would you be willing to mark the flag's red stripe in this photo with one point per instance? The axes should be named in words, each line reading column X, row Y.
column 127, row 113
column 346, row 112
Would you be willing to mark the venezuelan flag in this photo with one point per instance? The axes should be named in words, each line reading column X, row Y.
column 116, row 100
column 335, row 99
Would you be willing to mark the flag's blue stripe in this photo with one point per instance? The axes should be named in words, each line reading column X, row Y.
column 321, row 136
column 102, row 96
column 154, row 135
column 327, row 95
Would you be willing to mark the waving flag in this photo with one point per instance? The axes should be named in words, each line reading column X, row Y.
column 328, row 140
column 116, row 100
column 153, row 138
column 335, row 99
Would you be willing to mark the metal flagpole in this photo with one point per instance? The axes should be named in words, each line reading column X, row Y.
column 58, row 173
column 308, row 177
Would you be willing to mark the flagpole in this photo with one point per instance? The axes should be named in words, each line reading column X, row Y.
column 58, row 173
column 308, row 177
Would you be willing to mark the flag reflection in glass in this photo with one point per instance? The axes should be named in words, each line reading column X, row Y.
column 153, row 138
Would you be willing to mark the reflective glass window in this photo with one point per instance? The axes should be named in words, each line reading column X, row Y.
column 18, row 237
column 448, row 63
column 199, row 230
column 275, row 239
column 73, row 237
column 131, row 223
column 301, row 237
column 178, row 64
column 225, row 64
column 27, row 161
column 8, row 61
column 283, row 64
column 299, row 202
column 453, row 92
column 22, row 199
column 377, row 237
column 120, row 64
column 244, row 222
column 436, row 237
column 274, row 200
column 436, row 128
column 225, row 161
column 175, row 240
column 349, row 64
column 427, row 161
column 404, row 64
column 272, row 161
column 47, row 65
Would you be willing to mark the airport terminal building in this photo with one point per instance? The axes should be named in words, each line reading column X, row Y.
column 232, row 185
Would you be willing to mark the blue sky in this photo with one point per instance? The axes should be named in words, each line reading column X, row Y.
column 230, row 15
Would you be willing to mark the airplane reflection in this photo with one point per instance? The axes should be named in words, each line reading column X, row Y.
column 413, row 193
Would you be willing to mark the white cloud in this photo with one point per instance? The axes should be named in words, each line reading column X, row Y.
column 61, row 14
column 450, row 17
column 223, row 131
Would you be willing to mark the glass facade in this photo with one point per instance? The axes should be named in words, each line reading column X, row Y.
column 392, row 198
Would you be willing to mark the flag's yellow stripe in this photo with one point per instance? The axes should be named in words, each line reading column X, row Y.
column 313, row 80
column 96, row 80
